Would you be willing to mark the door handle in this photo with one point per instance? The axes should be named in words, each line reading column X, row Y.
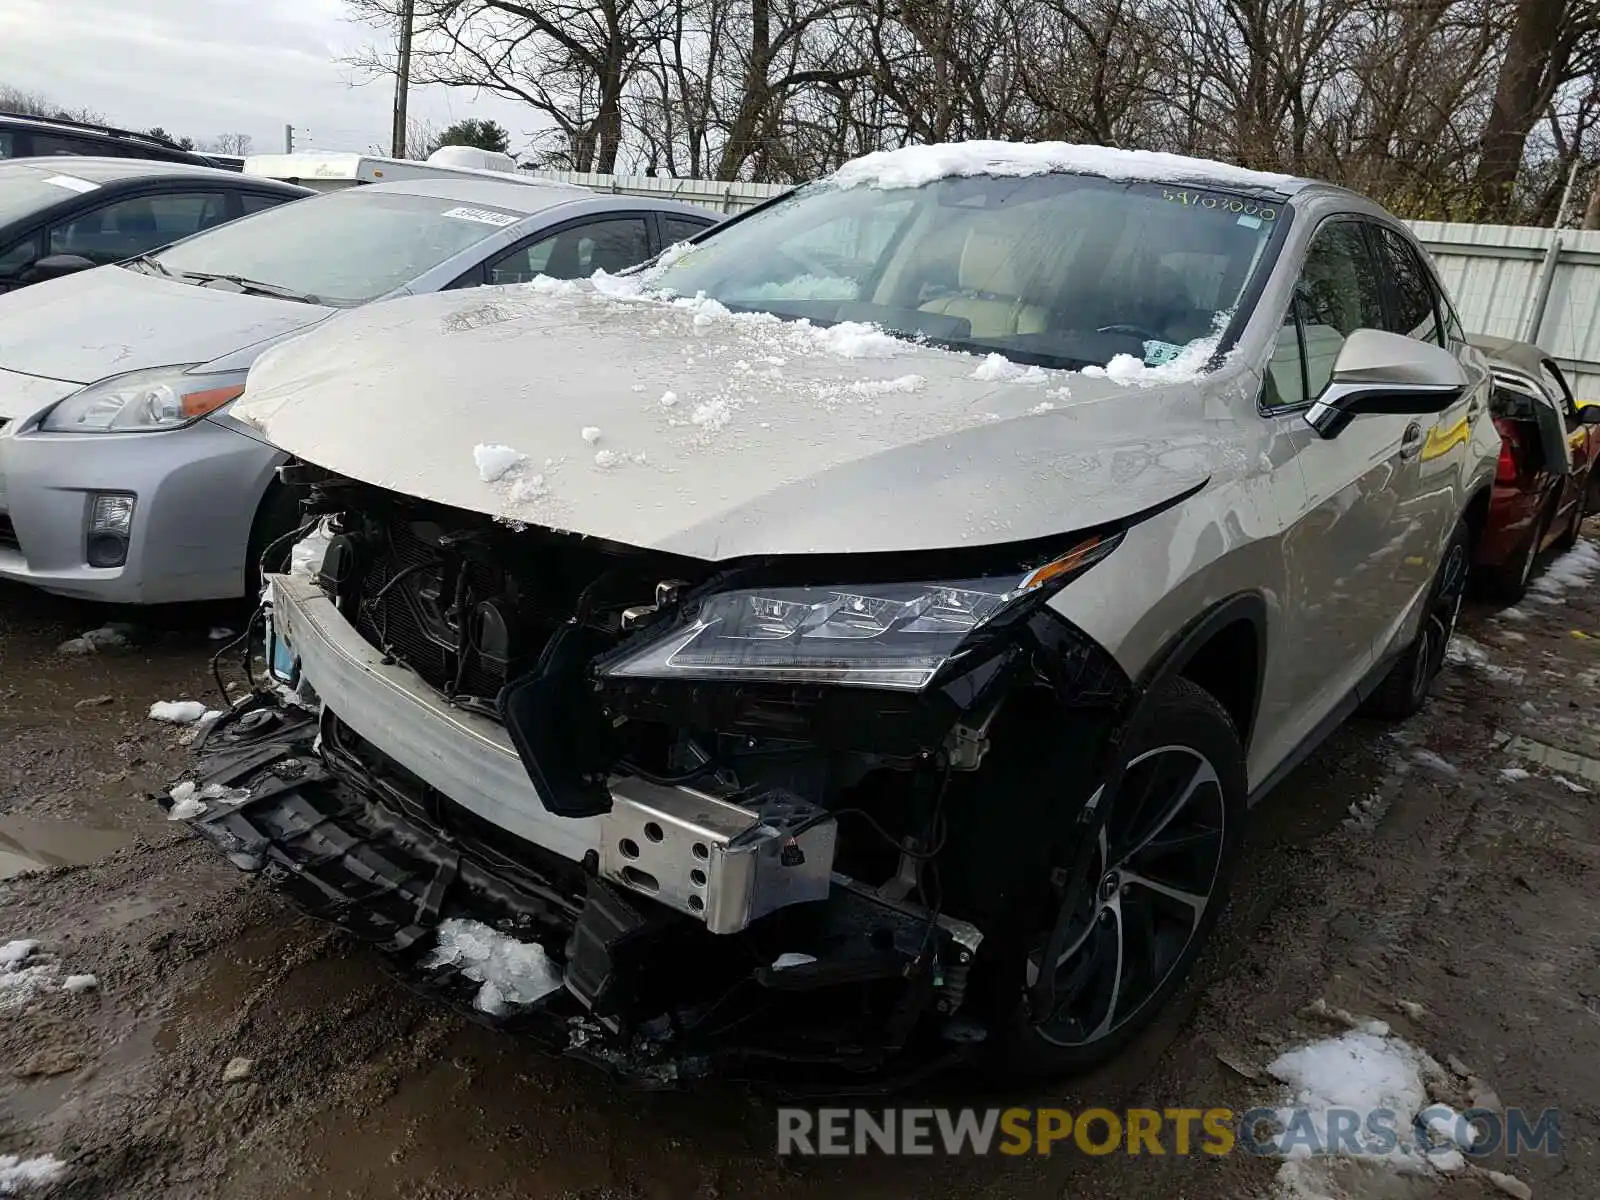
column 1411, row 441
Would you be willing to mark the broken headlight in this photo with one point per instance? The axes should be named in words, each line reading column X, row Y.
column 890, row 635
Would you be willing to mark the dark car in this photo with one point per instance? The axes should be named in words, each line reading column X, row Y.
column 63, row 215
column 1545, row 483
column 25, row 136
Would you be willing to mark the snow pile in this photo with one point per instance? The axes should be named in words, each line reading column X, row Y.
column 186, row 805
column 712, row 416
column 1041, row 408
column 106, row 637
column 19, row 1173
column 882, row 387
column 1513, row 774
column 495, row 461
column 997, row 368
column 1463, row 652
column 590, row 434
column 668, row 399
column 1361, row 1072
column 607, row 458
column 178, row 712
column 914, row 166
column 512, row 973
column 851, row 339
column 1574, row 569
column 26, row 973
column 1190, row 362
column 508, row 469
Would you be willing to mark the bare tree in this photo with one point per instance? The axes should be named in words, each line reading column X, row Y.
column 19, row 100
column 231, row 143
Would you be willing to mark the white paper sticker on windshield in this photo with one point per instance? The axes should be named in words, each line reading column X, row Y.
column 484, row 216
column 72, row 183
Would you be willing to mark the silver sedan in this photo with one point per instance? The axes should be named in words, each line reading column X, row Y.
column 123, row 478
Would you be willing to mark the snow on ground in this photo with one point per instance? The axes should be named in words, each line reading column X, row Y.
column 1574, row 569
column 186, row 805
column 1435, row 762
column 512, row 973
column 18, row 1174
column 1513, row 774
column 914, row 166
column 1332, row 1081
column 92, row 641
column 178, row 712
column 27, row 972
column 1473, row 656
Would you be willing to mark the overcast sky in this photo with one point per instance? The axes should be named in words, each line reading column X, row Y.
column 199, row 68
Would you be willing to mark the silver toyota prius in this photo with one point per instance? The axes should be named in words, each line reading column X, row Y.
column 124, row 478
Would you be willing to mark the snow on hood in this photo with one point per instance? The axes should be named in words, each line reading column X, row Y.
column 914, row 166
column 682, row 427
column 103, row 322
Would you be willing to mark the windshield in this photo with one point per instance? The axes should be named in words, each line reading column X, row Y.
column 1060, row 270
column 25, row 192
column 345, row 248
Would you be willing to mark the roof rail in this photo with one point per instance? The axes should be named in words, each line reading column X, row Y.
column 109, row 130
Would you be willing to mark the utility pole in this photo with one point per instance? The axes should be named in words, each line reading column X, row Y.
column 288, row 139
column 402, row 80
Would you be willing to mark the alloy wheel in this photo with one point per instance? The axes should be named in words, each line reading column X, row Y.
column 1155, row 870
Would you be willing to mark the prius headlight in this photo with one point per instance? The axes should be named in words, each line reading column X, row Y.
column 144, row 401
column 894, row 635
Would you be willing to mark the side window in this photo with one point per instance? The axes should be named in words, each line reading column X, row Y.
column 17, row 257
column 8, row 144
column 1286, row 375
column 608, row 245
column 1412, row 296
column 46, row 145
column 254, row 202
column 1339, row 292
column 124, row 228
column 681, row 229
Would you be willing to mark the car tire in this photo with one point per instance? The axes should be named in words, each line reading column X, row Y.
column 276, row 515
column 1509, row 584
column 1185, row 741
column 1405, row 688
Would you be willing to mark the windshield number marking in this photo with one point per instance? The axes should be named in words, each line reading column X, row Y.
column 483, row 216
column 1227, row 204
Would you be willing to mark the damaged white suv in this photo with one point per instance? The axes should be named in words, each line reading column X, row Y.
column 853, row 641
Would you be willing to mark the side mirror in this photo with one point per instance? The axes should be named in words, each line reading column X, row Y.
column 1379, row 372
column 53, row 266
column 1589, row 414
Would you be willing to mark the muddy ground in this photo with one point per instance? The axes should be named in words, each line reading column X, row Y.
column 1391, row 867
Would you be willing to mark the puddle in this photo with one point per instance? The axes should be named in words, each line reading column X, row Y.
column 34, row 844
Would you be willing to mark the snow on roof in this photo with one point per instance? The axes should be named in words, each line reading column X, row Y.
column 914, row 166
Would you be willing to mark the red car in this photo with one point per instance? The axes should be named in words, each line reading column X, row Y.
column 1545, row 484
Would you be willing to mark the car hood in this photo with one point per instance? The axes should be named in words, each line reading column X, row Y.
column 109, row 320
column 684, row 428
